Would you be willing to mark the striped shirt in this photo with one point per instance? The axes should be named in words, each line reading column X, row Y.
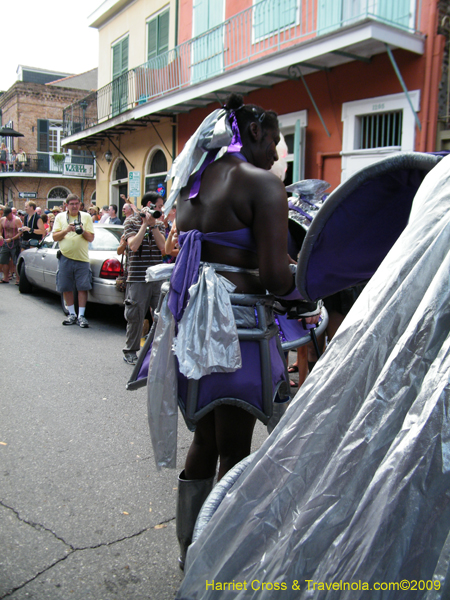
column 148, row 253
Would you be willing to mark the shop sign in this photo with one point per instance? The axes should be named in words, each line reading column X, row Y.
column 78, row 170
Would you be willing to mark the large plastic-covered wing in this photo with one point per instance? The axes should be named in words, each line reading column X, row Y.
column 359, row 223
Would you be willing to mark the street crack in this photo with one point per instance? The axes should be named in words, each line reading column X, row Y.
column 73, row 549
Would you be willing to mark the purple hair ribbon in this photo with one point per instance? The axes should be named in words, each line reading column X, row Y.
column 236, row 142
column 195, row 187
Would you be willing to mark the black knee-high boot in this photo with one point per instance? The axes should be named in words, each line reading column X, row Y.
column 192, row 493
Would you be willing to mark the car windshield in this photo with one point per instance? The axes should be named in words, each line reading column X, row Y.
column 106, row 239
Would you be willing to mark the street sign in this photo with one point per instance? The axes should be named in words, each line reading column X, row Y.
column 78, row 170
column 134, row 184
column 27, row 194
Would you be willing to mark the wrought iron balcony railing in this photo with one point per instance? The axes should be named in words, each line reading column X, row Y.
column 267, row 27
column 48, row 162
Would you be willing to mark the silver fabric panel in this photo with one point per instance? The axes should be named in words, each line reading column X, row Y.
column 162, row 392
column 207, row 340
column 354, row 483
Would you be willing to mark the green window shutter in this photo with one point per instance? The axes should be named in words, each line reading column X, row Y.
column 201, row 16
column 163, row 33
column 152, row 39
column 120, row 58
column 119, row 100
column 158, row 35
column 271, row 15
column 125, row 55
column 287, row 12
column 116, row 61
column 42, row 135
column 398, row 11
column 329, row 15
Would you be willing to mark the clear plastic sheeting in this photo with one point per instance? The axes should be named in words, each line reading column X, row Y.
column 353, row 485
column 162, row 392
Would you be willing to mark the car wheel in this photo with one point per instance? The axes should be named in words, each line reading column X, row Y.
column 25, row 286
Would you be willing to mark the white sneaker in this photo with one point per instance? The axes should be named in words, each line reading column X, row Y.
column 70, row 320
column 82, row 322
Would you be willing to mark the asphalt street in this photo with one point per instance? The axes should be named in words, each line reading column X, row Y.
column 84, row 514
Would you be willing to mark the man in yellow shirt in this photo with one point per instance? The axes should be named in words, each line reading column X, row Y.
column 74, row 230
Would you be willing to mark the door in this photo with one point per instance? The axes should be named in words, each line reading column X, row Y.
column 207, row 49
column 49, row 262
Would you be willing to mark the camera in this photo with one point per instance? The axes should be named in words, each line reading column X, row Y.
column 152, row 210
column 78, row 227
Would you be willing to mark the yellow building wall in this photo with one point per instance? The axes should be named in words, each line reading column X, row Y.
column 131, row 21
column 139, row 148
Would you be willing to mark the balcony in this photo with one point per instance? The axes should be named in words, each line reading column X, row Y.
column 268, row 33
column 63, row 165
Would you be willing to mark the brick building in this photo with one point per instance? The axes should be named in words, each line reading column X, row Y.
column 45, row 172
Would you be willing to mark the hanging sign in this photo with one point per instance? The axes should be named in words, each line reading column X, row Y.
column 78, row 170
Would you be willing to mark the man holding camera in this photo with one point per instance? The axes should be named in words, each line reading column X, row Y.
column 145, row 240
column 74, row 230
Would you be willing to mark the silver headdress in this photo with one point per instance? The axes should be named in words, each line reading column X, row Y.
column 214, row 133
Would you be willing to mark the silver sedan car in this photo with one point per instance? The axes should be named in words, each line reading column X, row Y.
column 37, row 266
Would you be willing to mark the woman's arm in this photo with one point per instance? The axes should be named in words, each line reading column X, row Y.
column 270, row 228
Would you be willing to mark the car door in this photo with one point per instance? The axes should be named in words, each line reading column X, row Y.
column 34, row 265
column 49, row 262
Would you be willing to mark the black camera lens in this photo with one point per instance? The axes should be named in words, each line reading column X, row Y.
column 154, row 213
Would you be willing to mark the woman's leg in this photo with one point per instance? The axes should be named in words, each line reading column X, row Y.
column 234, row 431
column 195, row 481
column 201, row 460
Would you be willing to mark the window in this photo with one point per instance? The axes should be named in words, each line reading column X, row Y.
column 271, row 15
column 158, row 35
column 380, row 130
column 121, row 170
column 293, row 127
column 375, row 127
column 56, row 197
column 120, row 76
column 54, row 136
column 58, row 193
column 9, row 141
column 155, row 181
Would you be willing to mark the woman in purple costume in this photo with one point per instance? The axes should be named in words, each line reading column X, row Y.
column 237, row 192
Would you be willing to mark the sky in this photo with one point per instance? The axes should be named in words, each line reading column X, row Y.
column 48, row 34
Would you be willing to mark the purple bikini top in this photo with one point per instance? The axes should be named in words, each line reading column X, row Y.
column 185, row 271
